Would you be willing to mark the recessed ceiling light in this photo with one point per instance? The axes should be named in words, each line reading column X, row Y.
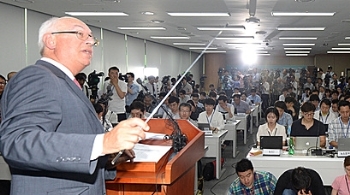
column 234, row 37
column 214, row 52
column 347, row 37
column 157, row 21
column 301, row 28
column 96, row 13
column 297, row 48
column 222, row 28
column 297, row 38
column 343, row 44
column 296, row 54
column 242, row 44
column 298, row 44
column 196, row 48
column 197, row 14
column 187, row 44
column 147, row 13
column 340, row 48
column 260, row 52
column 338, row 51
column 263, row 54
column 141, row 28
column 302, row 13
column 297, row 51
column 169, row 37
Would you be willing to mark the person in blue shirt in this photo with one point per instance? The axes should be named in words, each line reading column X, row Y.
column 254, row 98
column 285, row 119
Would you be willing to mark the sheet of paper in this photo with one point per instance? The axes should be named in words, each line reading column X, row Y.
column 149, row 153
column 150, row 135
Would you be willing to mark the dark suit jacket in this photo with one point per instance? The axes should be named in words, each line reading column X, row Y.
column 47, row 134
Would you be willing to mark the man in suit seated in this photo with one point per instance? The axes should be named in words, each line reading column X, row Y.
column 50, row 135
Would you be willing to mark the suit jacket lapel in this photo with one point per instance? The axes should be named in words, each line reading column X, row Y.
column 69, row 82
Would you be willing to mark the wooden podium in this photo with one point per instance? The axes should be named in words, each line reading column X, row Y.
column 164, row 177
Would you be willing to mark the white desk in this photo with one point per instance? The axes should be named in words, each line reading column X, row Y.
column 242, row 125
column 214, row 149
column 5, row 173
column 232, row 135
column 255, row 114
column 328, row 168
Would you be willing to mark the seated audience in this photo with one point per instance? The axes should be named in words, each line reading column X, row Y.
column 137, row 110
column 202, row 97
column 299, row 181
column 335, row 95
column 315, row 100
column 195, row 97
column 226, row 109
column 334, row 109
column 254, row 98
column 250, row 181
column 305, row 95
column 285, row 119
column 240, row 105
column 183, row 96
column 324, row 115
column 339, row 127
column 210, row 116
column 174, row 108
column 284, row 94
column 307, row 126
column 340, row 184
column 245, row 99
column 195, row 111
column 292, row 107
column 271, row 127
column 100, row 111
column 185, row 113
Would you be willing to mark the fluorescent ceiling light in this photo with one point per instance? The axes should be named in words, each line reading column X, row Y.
column 297, row 38
column 263, row 54
column 298, row 44
column 301, row 28
column 194, row 48
column 343, row 44
column 260, row 52
column 148, row 13
column 242, row 44
column 234, row 37
column 347, row 37
column 197, row 14
column 297, row 51
column 194, row 44
column 222, row 28
column 169, row 37
column 338, row 51
column 96, row 13
column 340, row 48
column 297, row 48
column 295, row 54
column 302, row 13
column 141, row 28
column 214, row 52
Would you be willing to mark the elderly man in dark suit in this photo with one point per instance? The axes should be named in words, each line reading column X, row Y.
column 50, row 135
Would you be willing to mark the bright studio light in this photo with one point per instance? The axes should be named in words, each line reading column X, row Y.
column 249, row 56
column 151, row 71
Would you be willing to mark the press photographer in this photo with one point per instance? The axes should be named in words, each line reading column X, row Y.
column 93, row 80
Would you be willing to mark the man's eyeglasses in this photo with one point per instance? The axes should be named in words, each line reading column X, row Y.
column 308, row 113
column 80, row 35
column 2, row 83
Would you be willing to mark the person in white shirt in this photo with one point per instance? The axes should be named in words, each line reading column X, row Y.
column 183, row 96
column 265, row 95
column 116, row 107
column 324, row 115
column 284, row 95
column 151, row 86
column 185, row 111
column 174, row 108
column 137, row 110
column 334, row 109
column 271, row 127
column 215, row 119
column 226, row 109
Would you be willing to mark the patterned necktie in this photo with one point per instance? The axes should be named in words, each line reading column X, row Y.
column 77, row 83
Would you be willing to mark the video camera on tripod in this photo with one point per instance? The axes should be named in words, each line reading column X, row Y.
column 93, row 80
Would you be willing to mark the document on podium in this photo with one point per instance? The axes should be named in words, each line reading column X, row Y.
column 150, row 135
column 149, row 153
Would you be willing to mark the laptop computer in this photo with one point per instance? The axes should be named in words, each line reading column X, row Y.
column 206, row 128
column 343, row 147
column 271, row 142
column 305, row 143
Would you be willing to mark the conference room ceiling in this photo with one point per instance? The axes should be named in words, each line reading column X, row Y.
column 264, row 34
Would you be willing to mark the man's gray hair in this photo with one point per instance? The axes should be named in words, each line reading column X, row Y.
column 44, row 28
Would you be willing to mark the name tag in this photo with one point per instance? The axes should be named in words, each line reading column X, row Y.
column 343, row 154
column 271, row 152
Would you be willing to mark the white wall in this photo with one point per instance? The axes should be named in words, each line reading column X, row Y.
column 19, row 48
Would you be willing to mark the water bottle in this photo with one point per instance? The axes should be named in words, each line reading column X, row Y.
column 291, row 146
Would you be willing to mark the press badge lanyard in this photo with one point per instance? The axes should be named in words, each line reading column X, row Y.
column 321, row 117
column 268, row 131
column 209, row 121
column 342, row 127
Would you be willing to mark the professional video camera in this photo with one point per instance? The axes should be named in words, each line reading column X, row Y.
column 93, row 80
column 123, row 77
column 165, row 80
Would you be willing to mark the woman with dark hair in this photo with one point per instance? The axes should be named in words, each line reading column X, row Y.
column 307, row 126
column 271, row 127
column 341, row 184
column 195, row 110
